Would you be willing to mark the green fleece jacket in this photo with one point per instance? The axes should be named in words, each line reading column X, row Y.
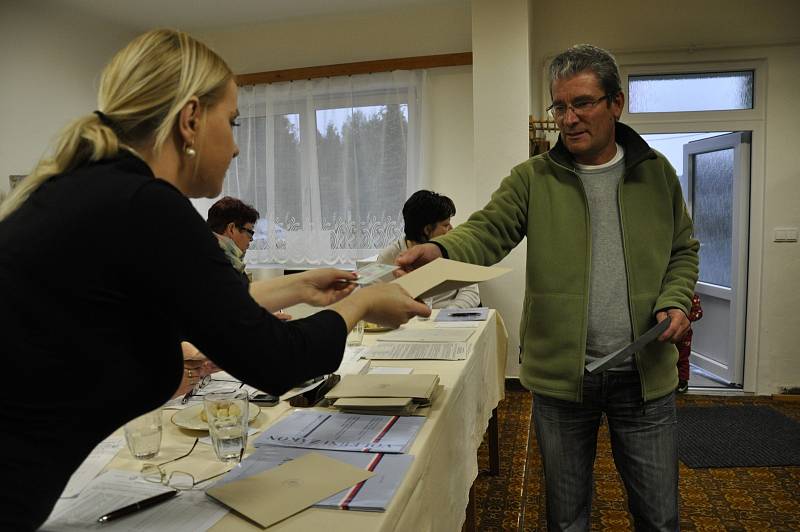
column 543, row 199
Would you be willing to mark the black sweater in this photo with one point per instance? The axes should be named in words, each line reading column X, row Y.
column 102, row 272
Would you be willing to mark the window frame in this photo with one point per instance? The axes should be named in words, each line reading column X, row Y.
column 758, row 112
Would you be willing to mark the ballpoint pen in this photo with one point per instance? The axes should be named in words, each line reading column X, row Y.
column 464, row 314
column 135, row 507
column 188, row 394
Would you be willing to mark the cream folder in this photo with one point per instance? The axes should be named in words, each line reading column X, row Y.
column 415, row 386
column 444, row 275
column 272, row 496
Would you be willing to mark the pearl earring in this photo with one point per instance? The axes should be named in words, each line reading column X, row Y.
column 189, row 151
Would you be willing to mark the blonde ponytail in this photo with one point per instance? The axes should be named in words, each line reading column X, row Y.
column 142, row 91
column 84, row 140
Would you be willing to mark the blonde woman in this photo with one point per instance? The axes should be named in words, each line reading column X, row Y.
column 136, row 270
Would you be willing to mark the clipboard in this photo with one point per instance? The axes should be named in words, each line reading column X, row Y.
column 617, row 357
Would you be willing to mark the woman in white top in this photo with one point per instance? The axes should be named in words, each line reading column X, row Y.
column 427, row 215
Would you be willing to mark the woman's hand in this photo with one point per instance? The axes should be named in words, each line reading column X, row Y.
column 195, row 367
column 390, row 304
column 382, row 303
column 325, row 286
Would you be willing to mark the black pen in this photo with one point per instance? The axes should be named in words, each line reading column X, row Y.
column 464, row 314
column 187, row 396
column 135, row 507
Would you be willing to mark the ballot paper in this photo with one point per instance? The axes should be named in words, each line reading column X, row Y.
column 426, row 335
column 444, row 275
column 310, row 429
column 352, row 363
column 186, row 512
column 101, row 455
column 373, row 272
column 373, row 494
column 417, row 351
column 617, row 357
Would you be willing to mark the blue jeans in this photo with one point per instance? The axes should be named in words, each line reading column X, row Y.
column 643, row 442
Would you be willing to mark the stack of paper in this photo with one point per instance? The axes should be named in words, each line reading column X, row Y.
column 273, row 495
column 309, row 429
column 383, row 394
column 372, row 495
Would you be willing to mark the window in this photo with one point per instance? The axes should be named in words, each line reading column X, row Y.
column 328, row 163
column 705, row 91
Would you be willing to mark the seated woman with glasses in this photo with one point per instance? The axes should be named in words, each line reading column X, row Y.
column 106, row 329
column 426, row 215
column 233, row 223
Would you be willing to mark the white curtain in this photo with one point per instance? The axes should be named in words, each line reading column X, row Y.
column 328, row 164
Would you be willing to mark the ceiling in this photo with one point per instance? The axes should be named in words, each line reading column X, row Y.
column 190, row 15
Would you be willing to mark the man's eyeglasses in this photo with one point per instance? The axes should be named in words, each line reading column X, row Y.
column 248, row 231
column 580, row 106
column 179, row 480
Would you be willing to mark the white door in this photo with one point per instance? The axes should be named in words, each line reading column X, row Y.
column 717, row 184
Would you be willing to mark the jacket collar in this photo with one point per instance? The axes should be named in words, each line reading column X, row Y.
column 636, row 149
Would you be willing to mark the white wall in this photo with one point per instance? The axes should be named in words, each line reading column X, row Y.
column 328, row 40
column 50, row 60
column 705, row 31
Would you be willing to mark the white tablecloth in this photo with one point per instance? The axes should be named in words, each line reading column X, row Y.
column 435, row 492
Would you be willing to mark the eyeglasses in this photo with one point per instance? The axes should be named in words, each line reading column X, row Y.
column 248, row 231
column 179, row 480
column 580, row 106
column 199, row 385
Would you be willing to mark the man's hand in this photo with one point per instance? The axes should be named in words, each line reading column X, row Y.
column 415, row 257
column 677, row 327
column 325, row 286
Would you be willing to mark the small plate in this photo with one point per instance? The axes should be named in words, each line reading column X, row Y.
column 189, row 417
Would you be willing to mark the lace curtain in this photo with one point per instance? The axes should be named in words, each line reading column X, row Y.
column 328, row 164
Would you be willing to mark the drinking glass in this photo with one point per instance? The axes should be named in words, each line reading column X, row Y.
column 357, row 334
column 227, row 414
column 143, row 435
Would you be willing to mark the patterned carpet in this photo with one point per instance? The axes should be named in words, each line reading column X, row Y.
column 732, row 499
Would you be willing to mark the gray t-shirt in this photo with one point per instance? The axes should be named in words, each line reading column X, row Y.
column 609, row 327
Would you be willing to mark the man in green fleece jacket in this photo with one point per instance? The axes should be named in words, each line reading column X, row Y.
column 610, row 253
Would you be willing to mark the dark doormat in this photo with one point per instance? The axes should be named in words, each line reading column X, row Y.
column 737, row 436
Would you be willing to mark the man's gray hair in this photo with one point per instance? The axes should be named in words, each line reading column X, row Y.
column 585, row 57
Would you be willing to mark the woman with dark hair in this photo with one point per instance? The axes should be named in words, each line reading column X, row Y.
column 426, row 215
column 233, row 223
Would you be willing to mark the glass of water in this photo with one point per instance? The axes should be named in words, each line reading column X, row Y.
column 143, row 435
column 227, row 414
column 357, row 334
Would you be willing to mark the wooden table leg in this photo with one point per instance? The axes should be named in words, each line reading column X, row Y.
column 494, row 445
column 469, row 522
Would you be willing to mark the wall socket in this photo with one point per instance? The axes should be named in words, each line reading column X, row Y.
column 785, row 234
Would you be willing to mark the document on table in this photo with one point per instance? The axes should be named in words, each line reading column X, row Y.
column 220, row 382
column 389, row 370
column 427, row 335
column 352, row 363
column 188, row 511
column 100, row 456
column 374, row 494
column 273, row 495
column 417, row 351
column 342, row 432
